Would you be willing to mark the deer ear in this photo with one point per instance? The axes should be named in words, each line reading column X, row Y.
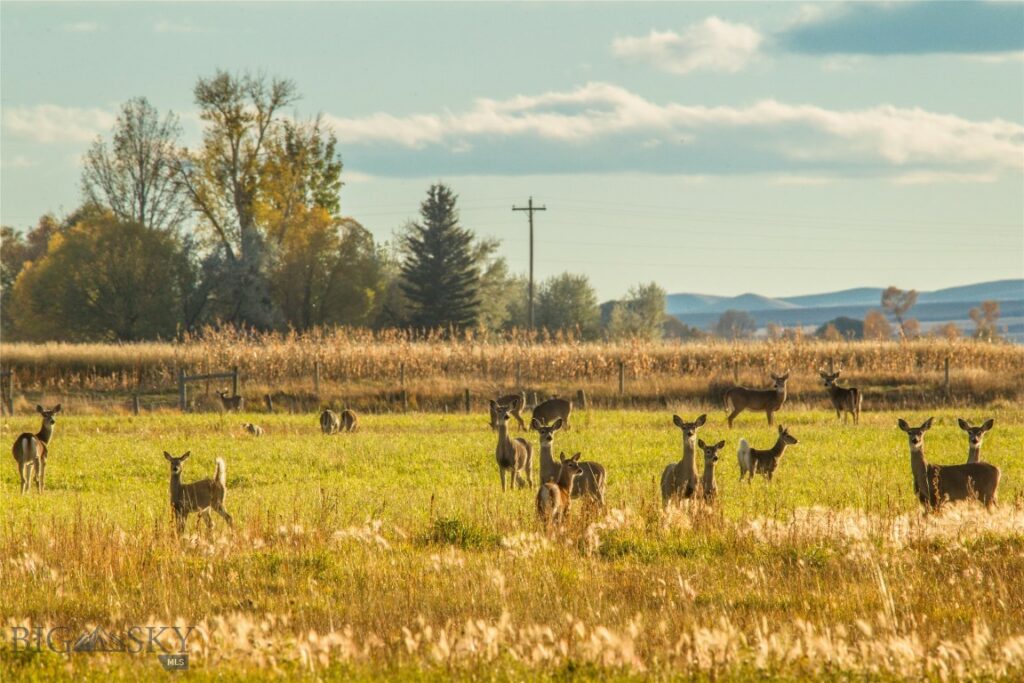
column 561, row 456
column 534, row 423
column 903, row 425
column 186, row 455
column 720, row 445
column 785, row 377
column 39, row 408
column 927, row 424
column 677, row 421
column 989, row 423
column 576, row 458
column 557, row 424
column 700, row 442
column 964, row 424
column 494, row 404
column 782, row 430
column 701, row 420
column 56, row 408
column 168, row 456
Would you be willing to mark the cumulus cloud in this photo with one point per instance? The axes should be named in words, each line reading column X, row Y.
column 711, row 45
column 48, row 123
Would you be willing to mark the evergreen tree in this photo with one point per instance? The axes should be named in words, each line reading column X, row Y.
column 441, row 276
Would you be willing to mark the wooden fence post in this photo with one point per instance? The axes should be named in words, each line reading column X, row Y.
column 181, row 389
column 581, row 399
column 519, row 375
column 947, row 374
column 269, row 402
column 401, row 375
column 135, row 404
column 533, row 398
column 234, row 381
column 469, row 404
column 622, row 378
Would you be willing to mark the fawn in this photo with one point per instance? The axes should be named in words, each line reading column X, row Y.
column 199, row 496
column 513, row 455
column 975, row 436
column 253, row 429
column 707, row 479
column 30, row 450
column 843, row 400
column 679, row 479
column 755, row 460
column 554, row 497
column 592, row 483
column 349, row 421
column 515, row 403
column 548, row 410
column 936, row 484
column 768, row 400
column 330, row 423
column 230, row 403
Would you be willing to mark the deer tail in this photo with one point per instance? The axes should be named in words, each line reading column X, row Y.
column 743, row 455
column 727, row 399
column 220, row 473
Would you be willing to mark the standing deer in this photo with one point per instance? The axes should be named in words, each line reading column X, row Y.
column 975, row 436
column 679, row 479
column 707, row 479
column 349, row 420
column 253, row 429
column 30, row 451
column 230, row 403
column 768, row 400
column 936, row 484
column 515, row 404
column 554, row 497
column 513, row 455
column 593, row 481
column 199, row 496
column 843, row 400
column 757, row 461
column 548, row 410
column 330, row 423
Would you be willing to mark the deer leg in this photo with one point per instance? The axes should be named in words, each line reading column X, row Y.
column 225, row 514
column 209, row 520
column 519, row 419
column 732, row 416
column 501, row 471
column 770, row 414
column 25, row 472
column 41, row 479
column 179, row 523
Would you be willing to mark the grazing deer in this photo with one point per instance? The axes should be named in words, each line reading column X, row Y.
column 594, row 479
column 330, row 423
column 757, row 461
column 515, row 404
column 554, row 497
column 843, row 400
column 768, row 400
column 30, row 451
column 349, row 421
column 199, row 496
column 936, row 484
column 230, row 403
column 548, row 410
column 975, row 436
column 253, row 429
column 513, row 455
column 707, row 479
column 679, row 479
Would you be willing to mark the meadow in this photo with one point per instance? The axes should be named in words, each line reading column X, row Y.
column 393, row 553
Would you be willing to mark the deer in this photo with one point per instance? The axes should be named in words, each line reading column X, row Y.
column 330, row 423
column 768, row 400
column 554, row 497
column 199, row 496
column 513, row 455
column 845, row 401
column 593, row 481
column 975, row 436
column 679, row 479
column 707, row 480
column 515, row 403
column 757, row 461
column 30, row 450
column 230, row 403
column 546, row 411
column 349, row 421
column 253, row 429
column 937, row 484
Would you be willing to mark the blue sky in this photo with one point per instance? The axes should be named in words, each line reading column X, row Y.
column 780, row 148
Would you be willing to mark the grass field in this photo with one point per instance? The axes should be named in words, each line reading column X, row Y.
column 392, row 552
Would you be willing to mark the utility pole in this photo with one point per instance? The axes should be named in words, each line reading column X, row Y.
column 530, row 208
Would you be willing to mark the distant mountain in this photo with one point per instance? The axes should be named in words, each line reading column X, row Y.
column 1000, row 290
column 861, row 296
column 680, row 304
column 749, row 302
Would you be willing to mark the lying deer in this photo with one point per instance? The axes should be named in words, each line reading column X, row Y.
column 253, row 429
column 230, row 403
column 975, row 436
column 707, row 479
column 199, row 496
column 843, row 400
column 515, row 404
column 554, row 497
column 757, row 461
column 546, row 411
column 593, row 481
column 513, row 455
column 349, row 420
column 768, row 400
column 30, row 451
column 330, row 423
column 936, row 484
column 679, row 479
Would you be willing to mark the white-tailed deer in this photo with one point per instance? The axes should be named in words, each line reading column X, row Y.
column 554, row 497
column 936, row 484
column 768, row 400
column 199, row 496
column 253, row 429
column 679, row 479
column 592, row 483
column 349, row 421
column 513, row 455
column 843, row 400
column 975, row 437
column 515, row 403
column 30, row 451
column 230, row 403
column 330, row 423
column 546, row 411
column 707, row 480
column 756, row 461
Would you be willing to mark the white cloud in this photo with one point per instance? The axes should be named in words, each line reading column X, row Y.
column 711, row 45
column 800, row 180
column 937, row 177
column 998, row 57
column 53, row 123
column 81, row 27
column 165, row 26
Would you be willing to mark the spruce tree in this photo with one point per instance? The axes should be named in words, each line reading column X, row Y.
column 441, row 276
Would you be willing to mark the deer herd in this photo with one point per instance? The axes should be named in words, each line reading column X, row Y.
column 570, row 478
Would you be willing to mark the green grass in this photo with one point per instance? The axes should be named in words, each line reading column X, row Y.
column 397, row 548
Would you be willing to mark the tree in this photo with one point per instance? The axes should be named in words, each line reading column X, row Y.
column 733, row 324
column 845, row 328
column 674, row 328
column 876, row 326
column 135, row 176
column 985, row 319
column 897, row 302
column 568, row 303
column 950, row 331
column 641, row 314
column 440, row 274
column 496, row 286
